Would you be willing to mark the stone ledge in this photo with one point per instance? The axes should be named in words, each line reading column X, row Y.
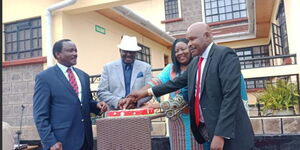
column 276, row 125
column 261, row 126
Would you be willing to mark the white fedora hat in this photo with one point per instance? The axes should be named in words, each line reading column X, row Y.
column 129, row 43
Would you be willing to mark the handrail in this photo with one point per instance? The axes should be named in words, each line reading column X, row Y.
column 270, row 57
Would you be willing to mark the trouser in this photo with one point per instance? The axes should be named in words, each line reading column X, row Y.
column 85, row 145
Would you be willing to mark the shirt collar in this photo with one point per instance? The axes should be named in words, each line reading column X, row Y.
column 206, row 52
column 64, row 68
column 123, row 64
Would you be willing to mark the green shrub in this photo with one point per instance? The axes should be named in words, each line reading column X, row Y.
column 279, row 96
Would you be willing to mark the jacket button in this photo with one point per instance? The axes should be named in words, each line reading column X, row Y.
column 82, row 120
column 81, row 105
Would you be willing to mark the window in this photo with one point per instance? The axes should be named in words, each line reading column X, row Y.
column 256, row 83
column 280, row 33
column 144, row 54
column 221, row 10
column 23, row 39
column 262, row 82
column 253, row 52
column 171, row 9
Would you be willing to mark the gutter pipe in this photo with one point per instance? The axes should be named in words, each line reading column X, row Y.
column 48, row 20
column 145, row 23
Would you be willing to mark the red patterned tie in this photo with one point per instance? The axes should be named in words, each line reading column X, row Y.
column 72, row 80
column 197, row 96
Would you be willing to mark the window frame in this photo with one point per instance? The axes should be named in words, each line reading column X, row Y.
column 279, row 32
column 264, row 51
column 23, row 39
column 217, row 7
column 144, row 54
column 178, row 10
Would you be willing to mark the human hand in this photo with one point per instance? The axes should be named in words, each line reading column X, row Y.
column 217, row 143
column 102, row 106
column 128, row 100
column 151, row 105
column 56, row 146
column 134, row 97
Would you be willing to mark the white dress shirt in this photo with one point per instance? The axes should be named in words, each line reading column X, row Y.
column 204, row 55
column 64, row 70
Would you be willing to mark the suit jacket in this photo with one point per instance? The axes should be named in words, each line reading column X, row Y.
column 112, row 86
column 221, row 104
column 58, row 113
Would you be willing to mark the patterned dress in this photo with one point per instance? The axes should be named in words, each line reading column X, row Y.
column 181, row 136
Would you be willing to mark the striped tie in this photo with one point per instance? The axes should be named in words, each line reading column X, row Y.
column 72, row 80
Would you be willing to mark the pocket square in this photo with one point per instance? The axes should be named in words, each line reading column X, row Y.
column 139, row 75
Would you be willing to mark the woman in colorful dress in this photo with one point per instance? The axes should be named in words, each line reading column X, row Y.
column 181, row 137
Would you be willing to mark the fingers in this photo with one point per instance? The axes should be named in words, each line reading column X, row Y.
column 131, row 106
column 102, row 106
column 217, row 143
column 121, row 103
column 127, row 103
column 56, row 146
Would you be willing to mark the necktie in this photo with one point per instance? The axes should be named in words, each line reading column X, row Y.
column 72, row 80
column 127, row 74
column 197, row 96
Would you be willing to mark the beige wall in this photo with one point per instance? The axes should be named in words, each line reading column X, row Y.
column 156, row 14
column 96, row 49
column 14, row 10
column 246, row 43
column 292, row 11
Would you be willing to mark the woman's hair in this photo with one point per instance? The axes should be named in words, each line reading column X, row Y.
column 176, row 63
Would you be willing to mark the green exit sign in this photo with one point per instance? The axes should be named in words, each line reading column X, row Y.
column 100, row 29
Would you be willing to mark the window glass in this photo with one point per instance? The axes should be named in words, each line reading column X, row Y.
column 144, row 54
column 221, row 10
column 253, row 52
column 171, row 9
column 23, row 39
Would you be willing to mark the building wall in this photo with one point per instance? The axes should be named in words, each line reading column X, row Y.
column 18, row 85
column 94, row 50
column 191, row 11
column 152, row 10
column 292, row 11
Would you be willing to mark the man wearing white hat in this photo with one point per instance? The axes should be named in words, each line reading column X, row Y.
column 123, row 76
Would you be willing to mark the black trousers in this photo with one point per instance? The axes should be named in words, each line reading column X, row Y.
column 85, row 145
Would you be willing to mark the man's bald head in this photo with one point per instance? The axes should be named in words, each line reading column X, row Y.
column 200, row 36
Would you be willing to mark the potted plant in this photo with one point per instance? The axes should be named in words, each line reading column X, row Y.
column 279, row 98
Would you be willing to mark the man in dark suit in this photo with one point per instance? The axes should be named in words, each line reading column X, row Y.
column 62, row 102
column 213, row 79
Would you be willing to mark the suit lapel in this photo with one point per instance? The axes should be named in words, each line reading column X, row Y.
column 203, row 78
column 82, row 81
column 64, row 80
column 135, row 69
column 119, row 68
column 193, row 73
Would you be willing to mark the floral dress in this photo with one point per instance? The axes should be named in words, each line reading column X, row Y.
column 181, row 136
